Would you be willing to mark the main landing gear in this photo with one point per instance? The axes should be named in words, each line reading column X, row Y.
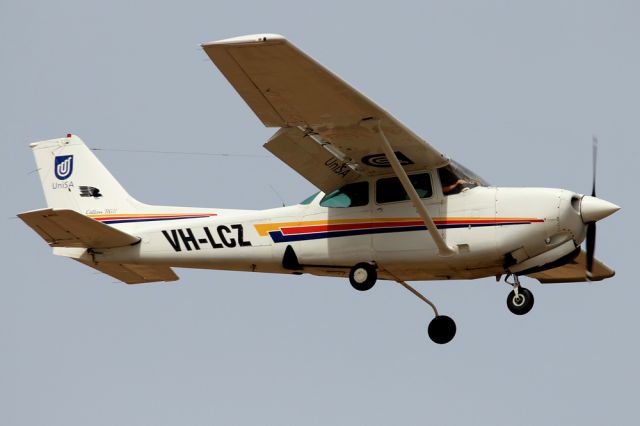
column 363, row 276
column 442, row 328
column 520, row 299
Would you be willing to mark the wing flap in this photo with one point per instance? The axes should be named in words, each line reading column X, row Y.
column 574, row 272
column 310, row 159
column 68, row 228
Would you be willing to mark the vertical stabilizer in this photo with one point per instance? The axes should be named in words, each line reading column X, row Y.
column 73, row 178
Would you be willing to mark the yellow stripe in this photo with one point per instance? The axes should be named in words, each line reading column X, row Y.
column 264, row 228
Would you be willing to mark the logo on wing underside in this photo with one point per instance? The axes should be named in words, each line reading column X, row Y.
column 380, row 160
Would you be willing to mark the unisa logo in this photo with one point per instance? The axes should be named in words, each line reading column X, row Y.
column 63, row 166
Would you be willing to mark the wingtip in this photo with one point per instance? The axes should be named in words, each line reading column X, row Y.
column 246, row 39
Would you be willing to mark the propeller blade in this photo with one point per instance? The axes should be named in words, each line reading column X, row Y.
column 591, row 227
column 595, row 159
column 591, row 248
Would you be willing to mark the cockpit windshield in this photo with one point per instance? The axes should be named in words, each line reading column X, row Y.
column 456, row 178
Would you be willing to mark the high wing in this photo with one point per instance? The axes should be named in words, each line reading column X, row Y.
column 329, row 131
column 574, row 272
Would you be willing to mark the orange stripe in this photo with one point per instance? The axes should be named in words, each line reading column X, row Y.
column 264, row 228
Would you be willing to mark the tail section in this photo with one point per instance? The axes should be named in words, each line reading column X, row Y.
column 73, row 178
column 88, row 209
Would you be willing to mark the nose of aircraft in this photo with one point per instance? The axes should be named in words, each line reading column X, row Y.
column 593, row 209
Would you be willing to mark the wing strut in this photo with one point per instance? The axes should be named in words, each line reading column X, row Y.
column 443, row 248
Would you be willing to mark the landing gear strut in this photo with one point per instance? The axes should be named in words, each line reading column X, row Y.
column 520, row 299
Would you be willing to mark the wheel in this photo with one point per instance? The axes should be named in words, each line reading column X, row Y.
column 442, row 329
column 363, row 276
column 522, row 303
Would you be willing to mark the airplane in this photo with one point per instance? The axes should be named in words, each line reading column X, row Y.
column 389, row 205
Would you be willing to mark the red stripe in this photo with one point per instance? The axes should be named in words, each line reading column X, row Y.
column 296, row 230
column 347, row 227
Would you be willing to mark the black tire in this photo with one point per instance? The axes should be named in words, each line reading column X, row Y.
column 442, row 329
column 363, row 276
column 522, row 304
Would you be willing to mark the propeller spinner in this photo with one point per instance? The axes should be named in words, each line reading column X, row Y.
column 593, row 209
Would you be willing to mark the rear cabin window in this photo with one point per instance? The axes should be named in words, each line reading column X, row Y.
column 350, row 195
column 390, row 190
column 309, row 199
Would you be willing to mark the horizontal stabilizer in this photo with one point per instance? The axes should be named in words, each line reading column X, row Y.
column 68, row 228
column 125, row 272
column 135, row 274
column 574, row 272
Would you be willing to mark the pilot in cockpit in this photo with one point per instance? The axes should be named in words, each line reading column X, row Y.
column 453, row 182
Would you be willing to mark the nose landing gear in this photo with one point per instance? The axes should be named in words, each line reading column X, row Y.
column 520, row 299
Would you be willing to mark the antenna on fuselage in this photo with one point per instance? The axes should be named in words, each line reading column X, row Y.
column 277, row 194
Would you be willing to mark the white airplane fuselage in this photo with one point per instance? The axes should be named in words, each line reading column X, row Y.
column 490, row 229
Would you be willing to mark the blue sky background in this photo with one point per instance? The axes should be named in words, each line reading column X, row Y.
column 512, row 90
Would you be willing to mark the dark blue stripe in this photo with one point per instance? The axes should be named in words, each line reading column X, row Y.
column 278, row 237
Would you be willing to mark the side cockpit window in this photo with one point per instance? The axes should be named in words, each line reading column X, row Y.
column 390, row 190
column 454, row 179
column 350, row 195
